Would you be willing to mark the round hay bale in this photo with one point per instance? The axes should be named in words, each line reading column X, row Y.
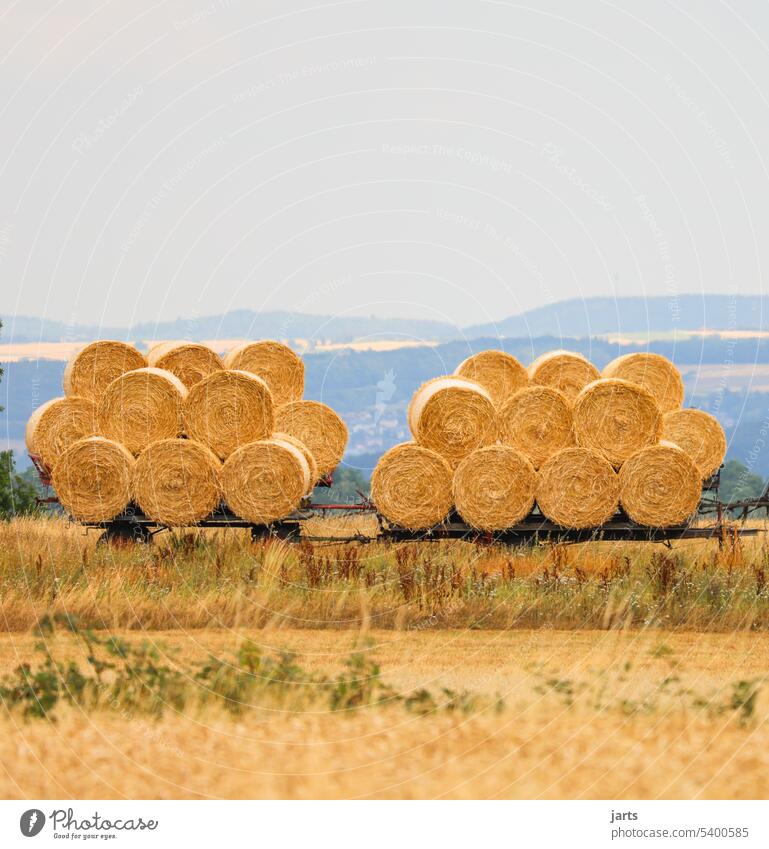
column 660, row 486
column 453, row 416
column 616, row 418
column 141, row 407
column 655, row 373
column 54, row 426
column 177, row 482
column 538, row 422
column 318, row 427
column 278, row 366
column 90, row 371
column 189, row 361
column 577, row 488
column 700, row 435
column 564, row 370
column 227, row 409
column 411, row 486
column 494, row 487
column 297, row 443
column 500, row 374
column 265, row 481
column 92, row 479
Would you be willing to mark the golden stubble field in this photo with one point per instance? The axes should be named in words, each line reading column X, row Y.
column 666, row 699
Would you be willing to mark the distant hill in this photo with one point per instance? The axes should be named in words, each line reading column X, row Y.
column 580, row 317
column 237, row 324
column 574, row 318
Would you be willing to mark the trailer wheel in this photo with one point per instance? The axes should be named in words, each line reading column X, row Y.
column 122, row 534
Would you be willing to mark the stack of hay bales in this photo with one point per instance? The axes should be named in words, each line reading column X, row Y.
column 182, row 430
column 494, row 439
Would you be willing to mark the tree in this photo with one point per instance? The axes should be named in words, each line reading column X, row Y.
column 739, row 483
column 17, row 495
column 347, row 482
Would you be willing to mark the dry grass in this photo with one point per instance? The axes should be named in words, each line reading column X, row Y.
column 585, row 715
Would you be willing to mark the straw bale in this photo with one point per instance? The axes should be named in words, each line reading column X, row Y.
column 280, row 368
column 140, row 407
column 92, row 479
column 577, row 488
column 616, row 418
column 55, row 425
column 297, row 443
column 318, row 427
column 660, row 486
column 265, row 481
column 499, row 373
column 538, row 421
column 189, row 361
column 655, row 373
column 453, row 416
column 177, row 482
column 564, row 370
column 700, row 435
column 494, row 487
column 90, row 371
column 411, row 486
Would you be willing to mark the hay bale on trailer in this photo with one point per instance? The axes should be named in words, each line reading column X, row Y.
column 453, row 416
column 177, row 482
column 700, row 435
column 92, row 479
column 494, row 488
column 90, row 371
column 578, row 488
column 189, row 361
column 141, row 407
column 278, row 366
column 616, row 418
column 566, row 371
column 297, row 443
column 660, row 486
column 55, row 425
column 538, row 422
column 228, row 409
column 654, row 373
column 265, row 481
column 499, row 373
column 318, row 427
column 411, row 486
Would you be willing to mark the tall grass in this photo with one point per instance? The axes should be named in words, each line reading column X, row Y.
column 222, row 579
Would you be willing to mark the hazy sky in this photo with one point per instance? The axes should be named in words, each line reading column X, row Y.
column 453, row 160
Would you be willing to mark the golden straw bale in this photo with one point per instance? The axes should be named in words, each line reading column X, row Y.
column 577, row 488
column 140, row 407
column 660, row 486
column 55, row 425
column 411, row 486
column 538, row 421
column 90, row 371
column 265, row 481
column 655, row 373
column 280, row 368
column 227, row 409
column 318, row 427
column 177, row 481
column 616, row 418
column 92, row 479
column 700, row 435
column 453, row 416
column 494, row 487
column 564, row 370
column 297, row 443
column 500, row 374
column 189, row 361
